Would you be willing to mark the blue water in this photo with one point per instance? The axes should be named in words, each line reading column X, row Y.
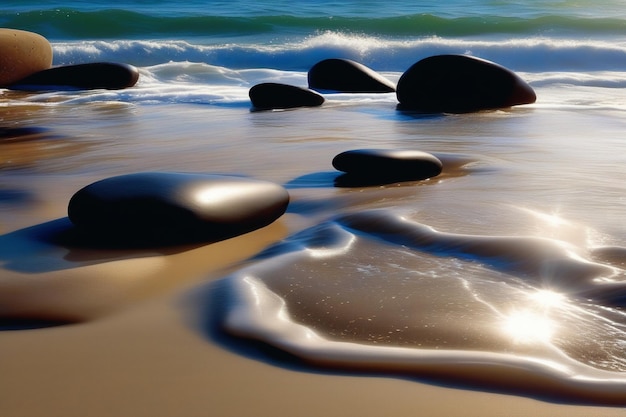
column 366, row 9
column 267, row 33
column 552, row 41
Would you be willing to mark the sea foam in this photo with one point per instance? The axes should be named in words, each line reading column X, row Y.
column 535, row 54
column 483, row 310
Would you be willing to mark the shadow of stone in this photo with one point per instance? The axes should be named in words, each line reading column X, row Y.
column 9, row 134
column 324, row 179
column 58, row 245
column 348, row 180
column 410, row 113
column 13, row 324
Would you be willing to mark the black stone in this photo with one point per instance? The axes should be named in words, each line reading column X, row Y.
column 107, row 75
column 460, row 84
column 344, row 75
column 382, row 166
column 268, row 96
column 173, row 208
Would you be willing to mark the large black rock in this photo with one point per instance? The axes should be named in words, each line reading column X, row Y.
column 172, row 208
column 269, row 96
column 107, row 75
column 344, row 75
column 460, row 84
column 382, row 166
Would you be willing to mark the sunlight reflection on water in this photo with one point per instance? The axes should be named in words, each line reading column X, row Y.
column 534, row 324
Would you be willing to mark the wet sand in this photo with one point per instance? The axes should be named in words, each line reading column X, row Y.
column 145, row 361
column 148, row 352
column 132, row 341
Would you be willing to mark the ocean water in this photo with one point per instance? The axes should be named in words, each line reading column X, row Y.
column 505, row 272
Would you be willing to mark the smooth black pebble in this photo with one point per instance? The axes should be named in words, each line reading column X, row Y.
column 106, row 75
column 168, row 208
column 270, row 96
column 344, row 75
column 460, row 84
column 380, row 166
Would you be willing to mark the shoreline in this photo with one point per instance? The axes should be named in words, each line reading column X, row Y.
column 145, row 361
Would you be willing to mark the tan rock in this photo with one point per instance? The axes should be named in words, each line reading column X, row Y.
column 21, row 54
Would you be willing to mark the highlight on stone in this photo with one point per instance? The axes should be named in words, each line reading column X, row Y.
column 382, row 166
column 460, row 84
column 22, row 53
column 173, row 208
column 347, row 76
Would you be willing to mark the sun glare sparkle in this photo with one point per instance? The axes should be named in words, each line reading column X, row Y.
column 533, row 323
column 528, row 327
column 547, row 298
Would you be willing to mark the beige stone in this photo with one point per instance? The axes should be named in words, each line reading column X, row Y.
column 21, row 54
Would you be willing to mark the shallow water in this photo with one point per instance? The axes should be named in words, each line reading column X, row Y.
column 515, row 253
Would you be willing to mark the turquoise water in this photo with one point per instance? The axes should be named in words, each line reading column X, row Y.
column 365, row 9
column 78, row 20
column 535, row 37
column 135, row 23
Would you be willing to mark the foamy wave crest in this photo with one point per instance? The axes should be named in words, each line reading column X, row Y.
column 182, row 72
column 177, row 82
column 139, row 53
column 599, row 79
column 531, row 54
column 193, row 82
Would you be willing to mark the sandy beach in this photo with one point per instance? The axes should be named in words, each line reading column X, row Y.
column 146, row 360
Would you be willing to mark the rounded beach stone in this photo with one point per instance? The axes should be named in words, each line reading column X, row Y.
column 344, row 75
column 388, row 164
column 165, row 207
column 21, row 54
column 107, row 75
column 460, row 84
column 268, row 96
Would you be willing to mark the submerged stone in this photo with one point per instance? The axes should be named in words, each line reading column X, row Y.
column 379, row 166
column 106, row 75
column 460, row 84
column 10, row 134
column 164, row 208
column 344, row 75
column 21, row 54
column 268, row 96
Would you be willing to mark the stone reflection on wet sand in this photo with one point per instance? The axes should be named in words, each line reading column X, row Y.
column 52, row 275
column 25, row 146
column 374, row 297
